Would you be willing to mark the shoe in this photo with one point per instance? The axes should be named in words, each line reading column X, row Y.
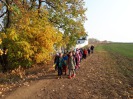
column 74, row 75
column 70, row 77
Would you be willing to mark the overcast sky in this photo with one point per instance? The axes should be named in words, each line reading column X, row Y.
column 110, row 20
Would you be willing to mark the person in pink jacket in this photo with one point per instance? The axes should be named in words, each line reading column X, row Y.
column 78, row 59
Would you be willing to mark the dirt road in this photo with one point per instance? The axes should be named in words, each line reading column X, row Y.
column 98, row 78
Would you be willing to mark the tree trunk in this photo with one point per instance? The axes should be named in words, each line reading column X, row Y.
column 8, row 15
column 39, row 6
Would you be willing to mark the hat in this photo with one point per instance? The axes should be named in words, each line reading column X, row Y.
column 57, row 54
column 77, row 49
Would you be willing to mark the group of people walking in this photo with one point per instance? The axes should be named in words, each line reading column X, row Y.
column 70, row 61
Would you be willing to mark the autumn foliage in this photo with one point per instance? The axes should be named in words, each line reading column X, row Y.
column 31, row 33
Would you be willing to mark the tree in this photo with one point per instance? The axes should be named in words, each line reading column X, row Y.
column 30, row 38
column 66, row 15
column 33, row 27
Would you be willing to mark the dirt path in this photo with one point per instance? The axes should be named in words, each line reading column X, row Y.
column 97, row 79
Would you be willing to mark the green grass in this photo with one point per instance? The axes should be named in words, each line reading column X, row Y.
column 121, row 56
column 125, row 49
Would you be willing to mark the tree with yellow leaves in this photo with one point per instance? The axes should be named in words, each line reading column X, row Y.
column 33, row 28
column 30, row 38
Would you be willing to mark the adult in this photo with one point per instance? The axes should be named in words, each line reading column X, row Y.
column 92, row 48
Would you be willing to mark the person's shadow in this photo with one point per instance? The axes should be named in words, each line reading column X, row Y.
column 49, row 75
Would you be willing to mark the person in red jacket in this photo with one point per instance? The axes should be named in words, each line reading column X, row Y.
column 85, row 53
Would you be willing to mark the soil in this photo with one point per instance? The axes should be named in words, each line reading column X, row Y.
column 98, row 78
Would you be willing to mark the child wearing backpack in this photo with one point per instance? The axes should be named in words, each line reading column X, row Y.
column 60, row 63
column 65, row 57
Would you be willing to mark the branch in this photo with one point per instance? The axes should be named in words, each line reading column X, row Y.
column 40, row 3
column 4, row 3
column 2, row 28
column 3, row 14
column 6, row 10
column 48, row 3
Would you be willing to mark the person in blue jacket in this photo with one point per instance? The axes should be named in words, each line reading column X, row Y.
column 60, row 63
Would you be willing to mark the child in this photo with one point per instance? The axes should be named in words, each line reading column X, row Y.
column 60, row 62
column 77, row 59
column 55, row 60
column 71, row 65
column 89, row 51
column 85, row 53
column 65, row 57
